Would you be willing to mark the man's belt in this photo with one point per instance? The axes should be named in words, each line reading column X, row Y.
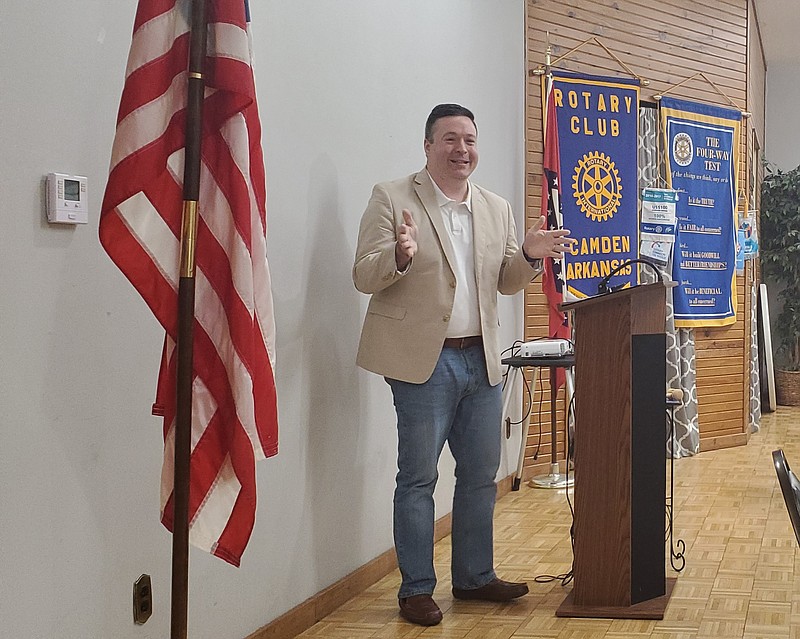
column 463, row 342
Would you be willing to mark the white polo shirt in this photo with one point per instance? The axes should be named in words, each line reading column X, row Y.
column 465, row 320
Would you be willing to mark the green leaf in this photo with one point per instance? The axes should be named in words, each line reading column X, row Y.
column 780, row 251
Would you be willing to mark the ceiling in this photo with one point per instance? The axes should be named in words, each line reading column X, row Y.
column 779, row 24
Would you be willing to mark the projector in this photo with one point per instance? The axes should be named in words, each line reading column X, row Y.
column 545, row 348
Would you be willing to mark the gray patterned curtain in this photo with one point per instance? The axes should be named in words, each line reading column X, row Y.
column 681, row 371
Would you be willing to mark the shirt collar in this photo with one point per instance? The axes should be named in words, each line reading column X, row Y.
column 442, row 199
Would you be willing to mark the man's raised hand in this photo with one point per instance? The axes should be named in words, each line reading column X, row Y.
column 406, row 246
column 539, row 243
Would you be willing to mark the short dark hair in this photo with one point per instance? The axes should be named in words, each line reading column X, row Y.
column 444, row 111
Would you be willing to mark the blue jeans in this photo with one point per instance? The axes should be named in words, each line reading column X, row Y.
column 456, row 405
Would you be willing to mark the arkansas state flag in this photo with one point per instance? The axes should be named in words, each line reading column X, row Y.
column 552, row 280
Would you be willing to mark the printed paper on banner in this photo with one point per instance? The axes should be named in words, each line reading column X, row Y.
column 748, row 226
column 746, row 241
column 657, row 224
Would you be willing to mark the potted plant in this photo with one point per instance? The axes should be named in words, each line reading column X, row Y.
column 780, row 260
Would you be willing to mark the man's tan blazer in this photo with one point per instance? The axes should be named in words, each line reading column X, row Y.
column 408, row 314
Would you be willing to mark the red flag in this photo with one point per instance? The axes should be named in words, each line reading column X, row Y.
column 234, row 407
column 552, row 281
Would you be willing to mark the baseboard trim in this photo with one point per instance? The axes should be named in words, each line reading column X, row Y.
column 723, row 441
column 316, row 607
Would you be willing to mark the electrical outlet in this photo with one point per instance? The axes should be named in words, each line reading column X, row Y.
column 142, row 599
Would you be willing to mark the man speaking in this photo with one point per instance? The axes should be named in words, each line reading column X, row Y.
column 433, row 251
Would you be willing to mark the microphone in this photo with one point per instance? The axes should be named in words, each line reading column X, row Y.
column 603, row 287
column 675, row 394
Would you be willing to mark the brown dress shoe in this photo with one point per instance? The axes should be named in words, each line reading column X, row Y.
column 420, row 609
column 495, row 590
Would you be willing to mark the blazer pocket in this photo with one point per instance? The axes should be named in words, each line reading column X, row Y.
column 385, row 309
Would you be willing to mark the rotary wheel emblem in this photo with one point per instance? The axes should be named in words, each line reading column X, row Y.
column 596, row 186
column 682, row 149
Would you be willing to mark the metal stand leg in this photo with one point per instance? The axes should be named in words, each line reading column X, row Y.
column 555, row 479
column 508, row 392
column 526, row 425
column 676, row 549
column 570, row 419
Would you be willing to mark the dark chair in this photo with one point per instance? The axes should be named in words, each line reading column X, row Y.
column 790, row 487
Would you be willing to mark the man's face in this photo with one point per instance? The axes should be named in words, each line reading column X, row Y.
column 453, row 153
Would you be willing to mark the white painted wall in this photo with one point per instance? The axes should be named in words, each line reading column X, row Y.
column 781, row 150
column 344, row 90
column 782, row 145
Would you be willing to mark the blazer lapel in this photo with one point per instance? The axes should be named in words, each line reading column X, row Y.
column 424, row 189
column 481, row 219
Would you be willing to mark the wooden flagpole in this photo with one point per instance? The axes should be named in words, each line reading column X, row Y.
column 186, row 295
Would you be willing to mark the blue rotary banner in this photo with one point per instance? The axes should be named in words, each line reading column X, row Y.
column 598, row 122
column 701, row 147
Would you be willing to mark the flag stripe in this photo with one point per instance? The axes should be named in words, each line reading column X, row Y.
column 558, row 326
column 147, row 164
column 148, row 123
column 142, row 267
column 150, row 78
column 148, row 228
column 234, row 404
column 148, row 11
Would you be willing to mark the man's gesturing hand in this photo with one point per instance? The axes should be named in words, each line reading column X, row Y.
column 406, row 245
column 540, row 243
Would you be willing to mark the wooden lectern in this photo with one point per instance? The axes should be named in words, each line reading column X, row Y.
column 620, row 456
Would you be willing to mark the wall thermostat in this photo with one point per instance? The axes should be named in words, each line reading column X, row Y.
column 67, row 197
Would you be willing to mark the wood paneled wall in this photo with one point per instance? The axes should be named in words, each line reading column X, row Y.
column 665, row 43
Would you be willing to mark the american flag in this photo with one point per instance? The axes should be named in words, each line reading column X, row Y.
column 552, row 279
column 234, row 406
